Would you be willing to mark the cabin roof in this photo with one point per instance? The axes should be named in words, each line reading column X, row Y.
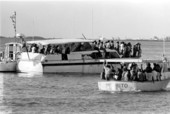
column 131, row 60
column 58, row 41
column 12, row 43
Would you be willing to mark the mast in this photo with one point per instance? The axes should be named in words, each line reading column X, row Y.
column 15, row 27
column 163, row 46
column 13, row 18
column 92, row 21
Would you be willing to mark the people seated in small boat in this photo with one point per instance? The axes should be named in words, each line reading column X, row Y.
column 133, row 72
column 148, row 71
column 108, row 71
column 141, row 76
column 119, row 73
column 157, row 69
column 148, row 68
column 125, row 74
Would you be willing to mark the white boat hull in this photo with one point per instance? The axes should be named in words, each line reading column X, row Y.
column 35, row 62
column 8, row 66
column 37, row 66
column 73, row 68
column 117, row 86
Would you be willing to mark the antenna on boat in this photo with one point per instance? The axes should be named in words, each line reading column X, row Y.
column 163, row 46
column 84, row 36
column 92, row 21
column 13, row 18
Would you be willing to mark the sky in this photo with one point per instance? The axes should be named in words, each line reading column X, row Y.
column 93, row 18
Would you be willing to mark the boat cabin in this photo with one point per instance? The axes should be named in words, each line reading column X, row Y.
column 11, row 51
column 73, row 49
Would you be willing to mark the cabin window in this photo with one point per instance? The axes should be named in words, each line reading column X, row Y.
column 11, row 54
column 112, row 55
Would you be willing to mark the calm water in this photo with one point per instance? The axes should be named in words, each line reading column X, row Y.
column 52, row 93
column 24, row 93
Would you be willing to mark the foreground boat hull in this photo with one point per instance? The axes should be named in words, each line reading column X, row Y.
column 8, row 66
column 117, row 86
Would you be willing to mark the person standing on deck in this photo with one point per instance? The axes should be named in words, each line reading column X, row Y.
column 65, row 51
column 107, row 71
column 125, row 74
column 117, row 47
column 112, row 44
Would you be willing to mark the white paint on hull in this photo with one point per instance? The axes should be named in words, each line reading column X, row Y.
column 8, row 66
column 117, row 86
column 29, row 66
column 73, row 69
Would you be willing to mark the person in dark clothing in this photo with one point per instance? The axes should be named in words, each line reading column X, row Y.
column 112, row 44
column 134, row 51
column 148, row 68
column 48, row 49
column 139, row 50
column 117, row 47
column 42, row 51
column 65, row 51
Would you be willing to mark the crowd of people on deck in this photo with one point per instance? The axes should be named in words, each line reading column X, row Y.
column 124, row 49
column 132, row 72
column 49, row 49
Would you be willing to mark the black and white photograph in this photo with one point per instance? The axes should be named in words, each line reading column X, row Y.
column 84, row 56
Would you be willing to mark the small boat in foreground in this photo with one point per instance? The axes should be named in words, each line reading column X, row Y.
column 8, row 61
column 121, row 86
column 152, row 84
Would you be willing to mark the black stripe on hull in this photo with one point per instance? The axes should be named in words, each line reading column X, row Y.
column 71, row 64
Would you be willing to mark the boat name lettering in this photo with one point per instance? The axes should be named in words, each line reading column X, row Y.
column 122, row 85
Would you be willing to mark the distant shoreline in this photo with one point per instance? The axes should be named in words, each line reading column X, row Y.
column 42, row 38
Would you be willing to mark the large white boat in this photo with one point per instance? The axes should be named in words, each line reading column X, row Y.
column 8, row 61
column 79, row 61
column 147, row 85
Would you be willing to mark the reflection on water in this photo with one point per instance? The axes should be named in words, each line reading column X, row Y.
column 3, row 108
column 53, row 93
column 29, row 75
